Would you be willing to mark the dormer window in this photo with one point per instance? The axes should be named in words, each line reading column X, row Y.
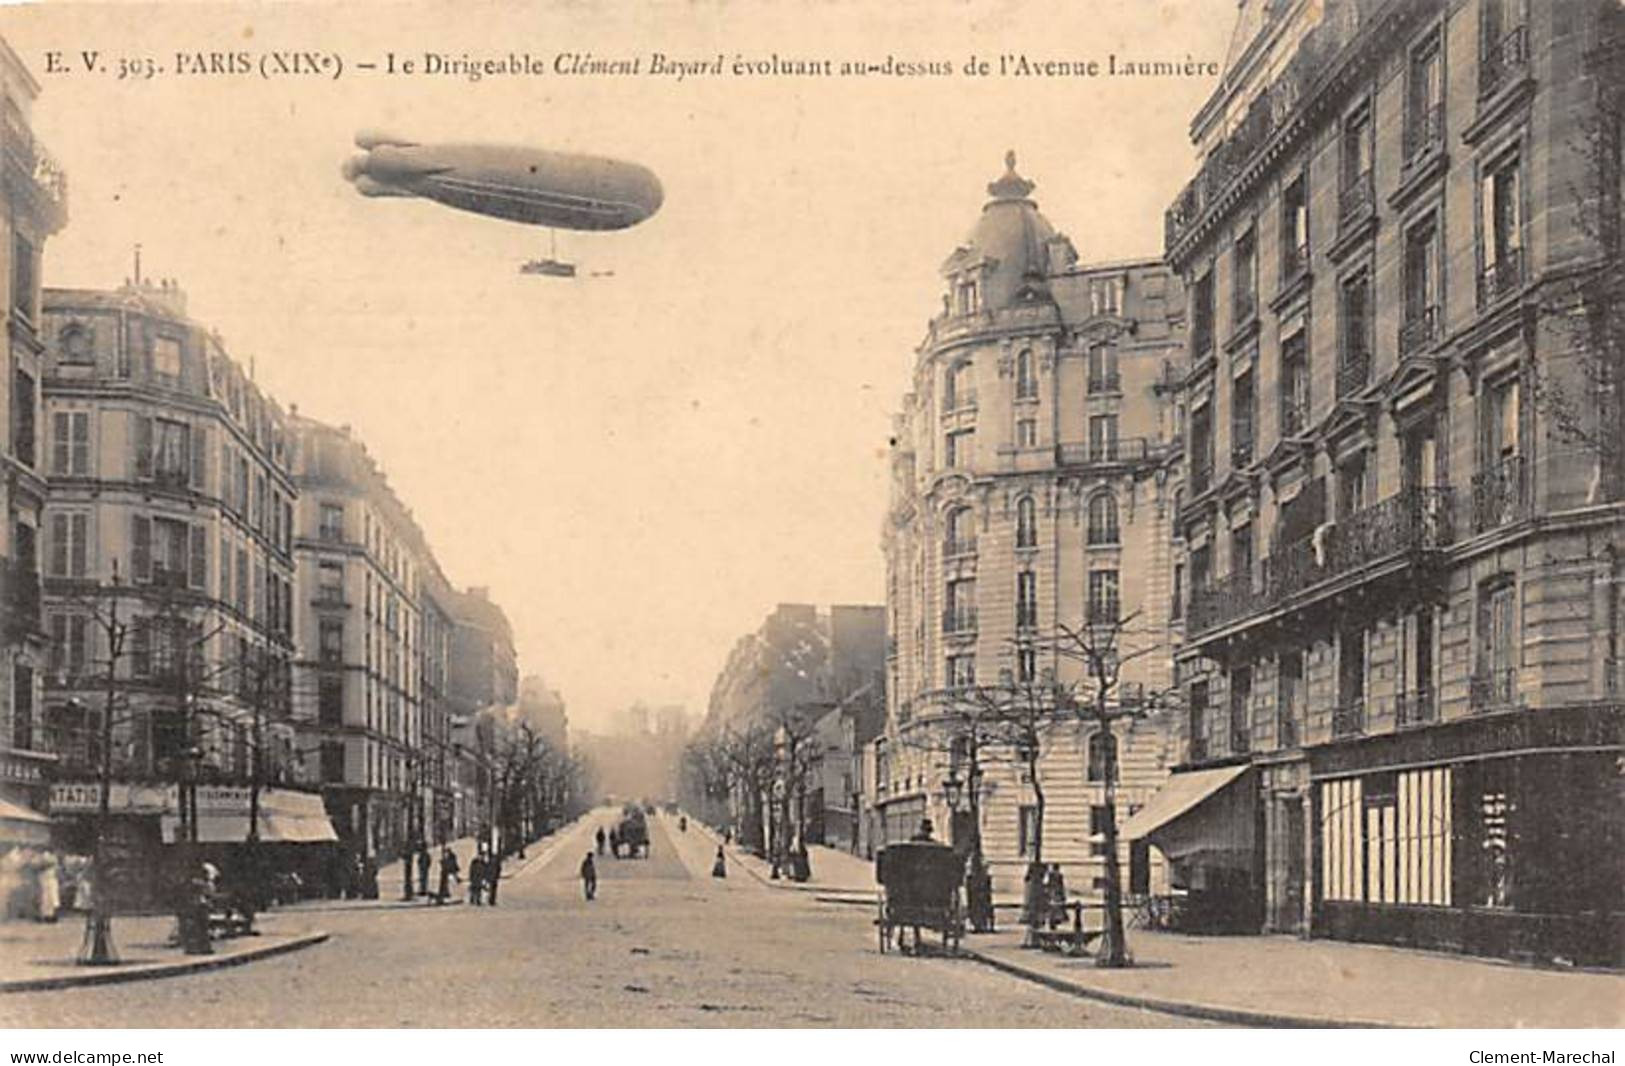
column 968, row 295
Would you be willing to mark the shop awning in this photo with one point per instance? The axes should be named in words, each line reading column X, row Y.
column 1181, row 795
column 19, row 825
column 284, row 818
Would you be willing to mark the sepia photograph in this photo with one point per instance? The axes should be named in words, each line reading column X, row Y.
column 812, row 515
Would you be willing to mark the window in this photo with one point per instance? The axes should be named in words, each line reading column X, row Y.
column 1354, row 349
column 1421, row 306
column 1026, row 664
column 961, row 530
column 1356, row 197
column 1294, row 229
column 1500, row 231
column 1202, row 315
column 171, row 454
column 169, row 555
column 1104, row 608
column 69, row 645
column 22, row 707
column 332, row 522
column 1495, row 683
column 1103, row 518
column 1026, row 600
column 1027, row 830
column 1196, row 720
column 1504, row 43
column 1201, row 424
column 1103, row 376
column 330, row 700
column 24, row 277
column 961, row 671
column 1027, row 433
column 1101, row 745
column 1245, row 257
column 166, row 358
column 1424, row 108
column 76, row 344
column 333, row 761
column 1103, row 438
column 1242, row 404
column 1241, row 702
column 1289, row 698
column 332, row 641
column 1348, row 718
column 1294, row 386
column 69, row 546
column 1105, row 295
column 70, row 443
column 1501, row 420
column 1241, row 550
column 330, row 582
column 1099, row 822
column 1026, row 377
column 1026, row 523
column 960, row 450
column 968, row 297
column 1176, row 609
column 1353, row 486
column 959, row 612
column 244, row 593
column 22, row 418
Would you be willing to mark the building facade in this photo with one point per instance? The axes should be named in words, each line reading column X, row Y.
column 1402, row 515
column 359, row 627
column 1032, row 488
column 167, row 552
column 34, row 195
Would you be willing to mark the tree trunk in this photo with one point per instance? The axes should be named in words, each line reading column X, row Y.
column 1114, row 952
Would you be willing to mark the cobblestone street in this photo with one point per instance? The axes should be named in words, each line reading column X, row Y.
column 664, row 944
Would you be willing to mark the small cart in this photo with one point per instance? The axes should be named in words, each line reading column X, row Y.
column 919, row 889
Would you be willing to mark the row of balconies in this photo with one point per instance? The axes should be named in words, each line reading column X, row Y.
column 1487, row 692
column 29, row 160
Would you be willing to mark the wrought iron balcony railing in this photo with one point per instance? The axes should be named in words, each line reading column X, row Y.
column 1503, row 61
column 1241, row 740
column 1294, row 416
column 1116, row 450
column 1105, row 382
column 1419, row 330
column 962, row 545
column 1501, row 494
column 1417, row 519
column 1357, row 198
column 1424, row 131
column 1502, row 277
column 1348, row 720
column 1353, row 372
column 33, row 162
column 962, row 400
column 1418, row 707
column 1225, row 600
column 959, row 620
column 1493, row 690
column 1241, row 447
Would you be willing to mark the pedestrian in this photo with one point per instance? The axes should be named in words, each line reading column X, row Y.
column 615, row 842
column 448, row 874
column 720, row 867
column 601, row 839
column 589, row 876
column 423, row 869
column 493, row 877
column 476, row 876
column 923, row 834
column 50, row 887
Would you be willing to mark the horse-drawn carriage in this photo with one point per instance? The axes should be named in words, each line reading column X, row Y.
column 919, row 889
column 631, row 833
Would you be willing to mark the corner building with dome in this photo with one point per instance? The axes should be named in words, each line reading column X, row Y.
column 1034, row 481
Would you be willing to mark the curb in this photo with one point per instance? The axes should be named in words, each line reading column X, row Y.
column 158, row 970
column 1202, row 1011
column 456, row 900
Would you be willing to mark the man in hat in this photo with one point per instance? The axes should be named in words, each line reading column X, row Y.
column 923, row 834
column 589, row 876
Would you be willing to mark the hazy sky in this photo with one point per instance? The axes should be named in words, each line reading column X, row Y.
column 641, row 466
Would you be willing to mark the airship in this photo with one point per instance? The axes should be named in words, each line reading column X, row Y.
column 527, row 185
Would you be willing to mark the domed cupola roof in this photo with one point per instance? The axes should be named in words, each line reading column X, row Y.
column 1011, row 242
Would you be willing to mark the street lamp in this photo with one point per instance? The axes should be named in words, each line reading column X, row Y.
column 952, row 789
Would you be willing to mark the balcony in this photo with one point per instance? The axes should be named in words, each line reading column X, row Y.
column 1424, row 133
column 963, row 545
column 1348, row 720
column 1225, row 600
column 42, row 179
column 963, row 400
column 1493, row 690
column 1357, row 199
column 1241, row 448
column 1353, row 372
column 1420, row 329
column 1501, row 494
column 1105, row 383
column 959, row 620
column 1098, row 452
column 1294, row 417
column 1416, row 708
column 1504, row 62
column 1501, row 278
column 1412, row 521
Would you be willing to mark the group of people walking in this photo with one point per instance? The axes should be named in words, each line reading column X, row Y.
column 484, row 876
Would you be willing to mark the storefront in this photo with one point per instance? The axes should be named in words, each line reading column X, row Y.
column 1502, row 835
column 1205, row 822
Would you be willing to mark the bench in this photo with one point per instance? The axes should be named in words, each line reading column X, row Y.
column 1074, row 941
column 226, row 919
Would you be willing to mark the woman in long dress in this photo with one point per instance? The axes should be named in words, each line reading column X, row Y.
column 50, row 887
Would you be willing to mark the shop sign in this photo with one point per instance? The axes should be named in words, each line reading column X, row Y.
column 84, row 797
column 21, row 771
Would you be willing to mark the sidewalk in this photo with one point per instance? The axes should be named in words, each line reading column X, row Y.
column 1279, row 981
column 835, row 873
column 41, row 955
